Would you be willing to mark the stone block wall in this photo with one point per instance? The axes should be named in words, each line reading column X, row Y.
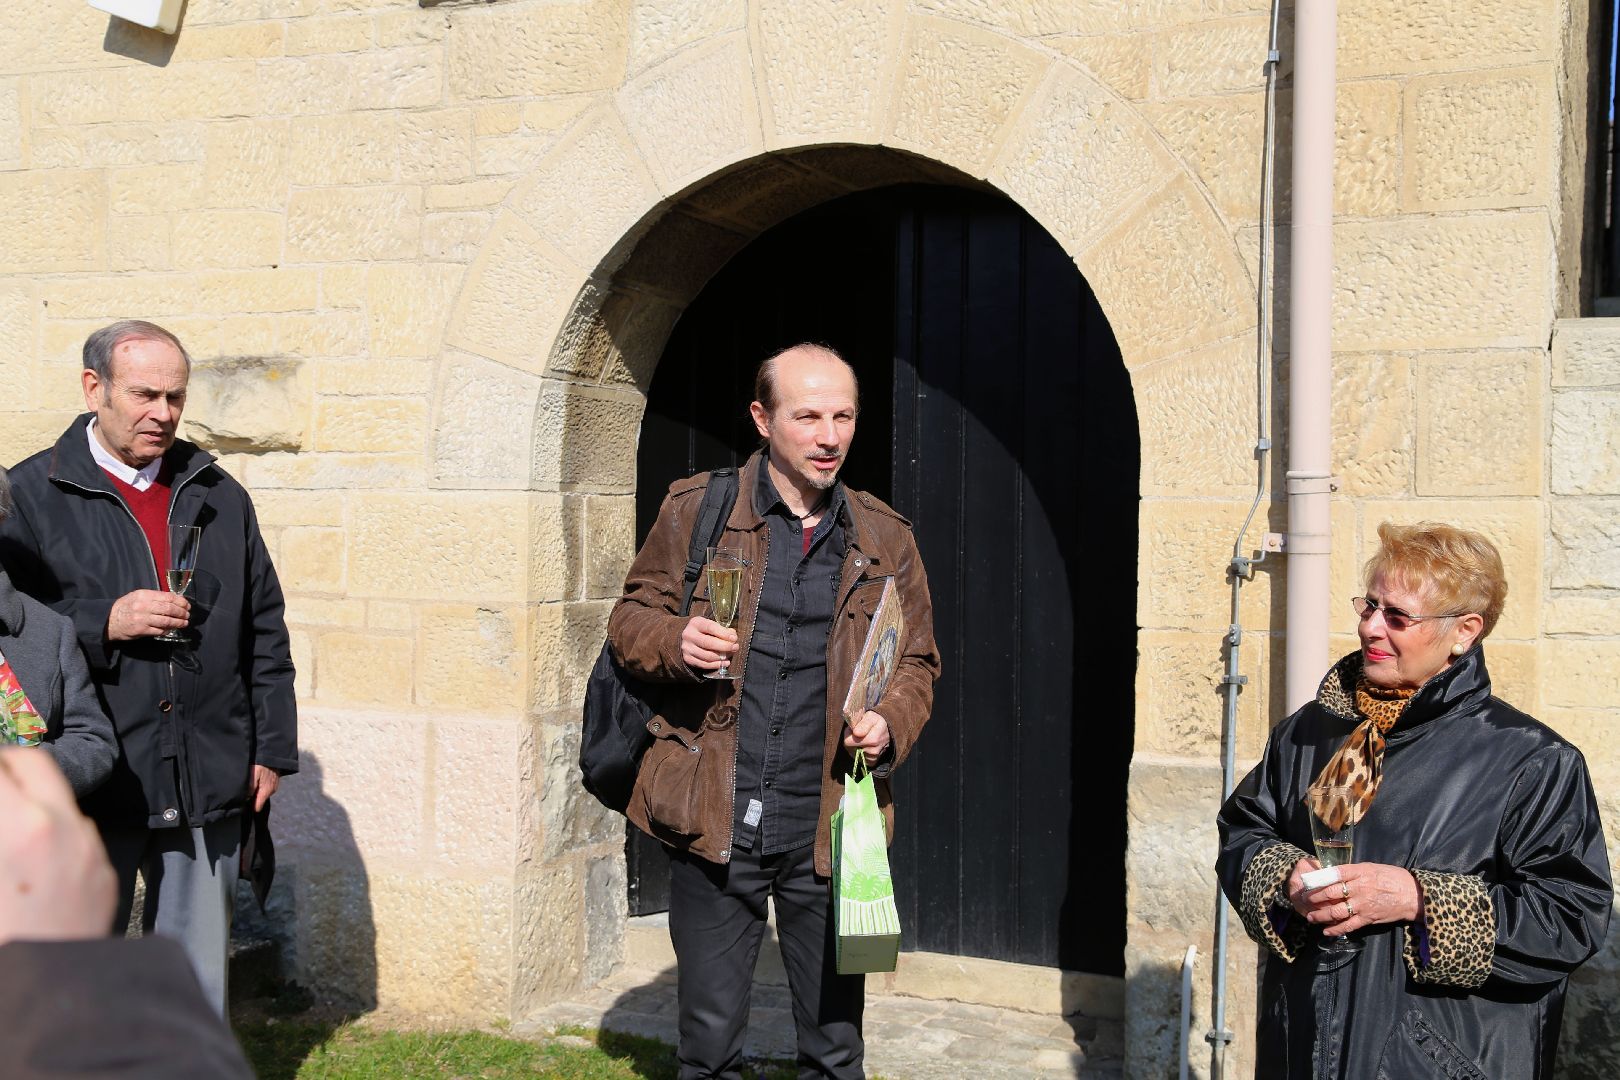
column 427, row 258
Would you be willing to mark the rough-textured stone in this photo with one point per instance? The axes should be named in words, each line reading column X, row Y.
column 564, row 640
column 550, row 929
column 484, row 429
column 321, row 334
column 538, row 49
column 1168, row 278
column 408, row 306
column 570, row 817
column 1378, row 37
column 1202, row 132
column 659, row 28
column 959, row 86
column 1179, row 707
column 475, row 777
column 1586, row 352
column 209, row 90
column 350, row 472
column 587, row 221
column 1478, row 140
column 1441, row 283
column 360, row 787
column 556, row 546
column 226, row 238
column 11, row 123
column 585, row 437
column 53, row 221
column 1199, row 422
column 1185, row 549
column 1585, row 544
column 1212, row 57
column 605, row 911
column 695, row 113
column 370, row 424
column 1516, row 673
column 444, row 945
column 1582, row 674
column 610, row 544
column 210, row 292
column 807, row 99
column 1040, row 17
column 1367, row 149
column 353, row 668
column 336, row 224
column 328, row 34
column 1585, row 432
column 139, row 243
column 1175, row 803
column 1122, row 62
column 515, row 298
column 245, row 163
column 679, row 255
column 248, row 403
column 1581, row 612
column 1075, row 159
column 471, row 658
column 454, row 236
column 1513, row 526
column 1372, row 423
column 310, row 559
column 1478, row 416
column 458, row 548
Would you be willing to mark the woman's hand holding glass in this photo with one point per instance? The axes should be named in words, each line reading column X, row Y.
column 1366, row 894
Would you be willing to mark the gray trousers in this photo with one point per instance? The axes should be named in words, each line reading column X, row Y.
column 190, row 876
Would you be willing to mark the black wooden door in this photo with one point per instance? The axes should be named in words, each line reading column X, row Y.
column 997, row 415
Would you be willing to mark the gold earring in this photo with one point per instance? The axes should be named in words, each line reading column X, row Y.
column 1457, row 649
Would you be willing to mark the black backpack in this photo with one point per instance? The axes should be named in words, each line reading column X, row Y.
column 617, row 704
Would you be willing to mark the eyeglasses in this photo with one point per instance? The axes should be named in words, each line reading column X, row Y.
column 1394, row 617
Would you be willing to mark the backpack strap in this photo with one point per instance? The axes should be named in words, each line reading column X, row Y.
column 718, row 498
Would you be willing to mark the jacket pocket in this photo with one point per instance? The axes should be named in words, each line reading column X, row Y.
column 1415, row 1050
column 668, row 782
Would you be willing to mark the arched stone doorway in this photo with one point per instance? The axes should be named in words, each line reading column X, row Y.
column 996, row 413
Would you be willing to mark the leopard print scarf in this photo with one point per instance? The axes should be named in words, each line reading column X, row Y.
column 1348, row 783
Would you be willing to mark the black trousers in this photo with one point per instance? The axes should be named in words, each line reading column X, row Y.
column 716, row 923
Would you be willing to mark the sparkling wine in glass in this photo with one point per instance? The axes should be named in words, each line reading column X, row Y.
column 1334, row 847
column 725, row 593
column 184, row 541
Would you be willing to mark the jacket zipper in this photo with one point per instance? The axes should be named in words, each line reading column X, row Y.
column 189, row 795
column 736, row 744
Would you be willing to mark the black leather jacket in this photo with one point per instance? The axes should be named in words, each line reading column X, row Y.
column 1495, row 815
column 192, row 719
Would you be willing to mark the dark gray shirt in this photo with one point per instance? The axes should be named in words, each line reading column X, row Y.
column 782, row 722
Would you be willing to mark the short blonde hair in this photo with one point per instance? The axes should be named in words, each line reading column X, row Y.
column 1458, row 569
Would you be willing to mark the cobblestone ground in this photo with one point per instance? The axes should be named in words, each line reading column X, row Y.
column 906, row 1038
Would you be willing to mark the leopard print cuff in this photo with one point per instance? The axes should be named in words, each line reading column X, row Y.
column 1264, row 877
column 1460, row 926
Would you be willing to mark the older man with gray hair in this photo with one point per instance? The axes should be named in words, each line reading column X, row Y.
column 200, row 685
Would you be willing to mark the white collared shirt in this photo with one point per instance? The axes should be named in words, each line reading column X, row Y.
column 139, row 479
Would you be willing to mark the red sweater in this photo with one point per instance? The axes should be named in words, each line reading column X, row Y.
column 151, row 510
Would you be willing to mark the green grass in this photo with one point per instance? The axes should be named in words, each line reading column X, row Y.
column 302, row 1047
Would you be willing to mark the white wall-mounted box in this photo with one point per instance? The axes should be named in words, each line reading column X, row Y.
column 161, row 15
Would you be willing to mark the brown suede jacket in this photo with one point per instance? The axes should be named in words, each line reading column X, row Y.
column 685, row 791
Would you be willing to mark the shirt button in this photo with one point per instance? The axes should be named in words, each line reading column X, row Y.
column 171, row 814
column 767, row 783
column 776, row 731
column 165, row 705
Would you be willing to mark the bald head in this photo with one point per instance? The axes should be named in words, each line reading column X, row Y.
column 804, row 357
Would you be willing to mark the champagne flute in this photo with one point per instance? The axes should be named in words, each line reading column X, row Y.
column 1334, row 847
column 725, row 593
column 184, row 540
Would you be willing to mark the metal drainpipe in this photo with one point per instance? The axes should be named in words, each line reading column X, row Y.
column 1241, row 568
column 1310, row 366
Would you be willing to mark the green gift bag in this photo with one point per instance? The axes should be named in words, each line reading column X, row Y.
column 863, row 891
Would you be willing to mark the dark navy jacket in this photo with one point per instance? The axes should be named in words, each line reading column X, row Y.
column 192, row 719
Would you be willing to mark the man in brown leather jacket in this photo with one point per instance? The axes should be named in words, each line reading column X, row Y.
column 744, row 774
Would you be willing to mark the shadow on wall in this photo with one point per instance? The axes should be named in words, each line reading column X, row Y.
column 1589, row 1048
column 318, row 912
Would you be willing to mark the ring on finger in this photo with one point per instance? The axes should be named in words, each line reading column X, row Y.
column 1349, row 910
column 1345, row 895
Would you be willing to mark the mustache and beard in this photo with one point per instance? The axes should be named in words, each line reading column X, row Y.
column 818, row 479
